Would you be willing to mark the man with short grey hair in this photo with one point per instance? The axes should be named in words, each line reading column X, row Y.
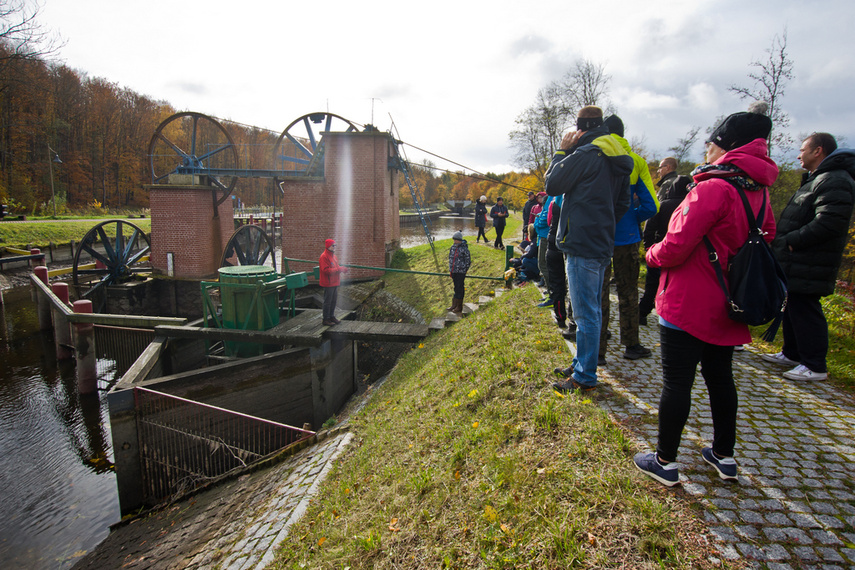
column 667, row 174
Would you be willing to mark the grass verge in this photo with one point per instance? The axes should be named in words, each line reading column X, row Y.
column 40, row 234
column 466, row 458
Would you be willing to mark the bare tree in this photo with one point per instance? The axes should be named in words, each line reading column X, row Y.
column 538, row 131
column 770, row 79
column 586, row 83
column 684, row 145
column 21, row 36
column 539, row 127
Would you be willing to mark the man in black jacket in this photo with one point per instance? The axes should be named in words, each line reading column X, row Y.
column 532, row 200
column 809, row 243
column 667, row 174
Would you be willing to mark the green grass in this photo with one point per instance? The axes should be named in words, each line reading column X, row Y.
column 466, row 458
column 40, row 234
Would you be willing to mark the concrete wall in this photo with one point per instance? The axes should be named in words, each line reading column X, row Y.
column 355, row 203
column 294, row 386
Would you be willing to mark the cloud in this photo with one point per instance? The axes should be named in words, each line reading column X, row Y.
column 530, row 44
column 703, row 96
column 644, row 100
column 190, row 88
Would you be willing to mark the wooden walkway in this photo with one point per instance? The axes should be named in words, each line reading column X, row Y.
column 305, row 329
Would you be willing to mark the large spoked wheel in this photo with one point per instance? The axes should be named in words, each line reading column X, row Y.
column 249, row 245
column 299, row 143
column 193, row 143
column 112, row 252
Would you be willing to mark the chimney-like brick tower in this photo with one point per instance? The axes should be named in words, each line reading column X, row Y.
column 354, row 203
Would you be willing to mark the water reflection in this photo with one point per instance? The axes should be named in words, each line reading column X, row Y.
column 59, row 490
column 441, row 228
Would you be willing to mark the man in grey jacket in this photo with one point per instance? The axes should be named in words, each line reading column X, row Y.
column 592, row 172
column 809, row 242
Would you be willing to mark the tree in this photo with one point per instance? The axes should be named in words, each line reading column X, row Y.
column 586, row 83
column 684, row 145
column 21, row 35
column 539, row 127
column 538, row 131
column 770, row 79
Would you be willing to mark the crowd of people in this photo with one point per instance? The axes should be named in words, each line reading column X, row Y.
column 599, row 206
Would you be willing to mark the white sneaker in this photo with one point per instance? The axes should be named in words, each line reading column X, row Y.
column 778, row 358
column 739, row 348
column 803, row 373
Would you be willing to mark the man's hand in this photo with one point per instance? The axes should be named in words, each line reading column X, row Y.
column 570, row 139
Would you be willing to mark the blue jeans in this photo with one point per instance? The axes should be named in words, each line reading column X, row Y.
column 585, row 284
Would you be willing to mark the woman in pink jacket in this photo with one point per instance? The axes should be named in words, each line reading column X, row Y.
column 694, row 326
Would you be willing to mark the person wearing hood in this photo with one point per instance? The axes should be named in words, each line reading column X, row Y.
column 591, row 170
column 694, row 326
column 458, row 264
column 627, row 258
column 809, row 244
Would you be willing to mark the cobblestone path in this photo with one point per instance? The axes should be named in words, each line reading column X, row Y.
column 794, row 504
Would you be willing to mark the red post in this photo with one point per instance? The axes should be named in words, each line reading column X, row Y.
column 36, row 262
column 61, row 327
column 84, row 345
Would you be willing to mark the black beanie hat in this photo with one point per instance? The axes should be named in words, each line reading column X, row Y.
column 741, row 128
column 614, row 125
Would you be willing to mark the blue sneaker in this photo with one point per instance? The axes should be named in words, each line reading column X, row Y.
column 649, row 464
column 726, row 466
column 545, row 304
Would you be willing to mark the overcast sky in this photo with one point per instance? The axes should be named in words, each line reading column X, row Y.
column 453, row 75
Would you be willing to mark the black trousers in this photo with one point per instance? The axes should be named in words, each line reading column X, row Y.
column 651, row 284
column 481, row 234
column 681, row 353
column 458, row 280
column 499, row 231
column 805, row 331
column 330, row 301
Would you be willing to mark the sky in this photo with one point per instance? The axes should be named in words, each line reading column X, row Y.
column 454, row 75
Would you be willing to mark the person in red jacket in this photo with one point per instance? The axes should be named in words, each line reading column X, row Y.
column 330, row 279
column 694, row 326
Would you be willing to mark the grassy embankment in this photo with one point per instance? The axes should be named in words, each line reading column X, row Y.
column 466, row 458
column 40, row 234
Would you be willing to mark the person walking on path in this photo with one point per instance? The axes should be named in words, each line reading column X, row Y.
column 693, row 316
column 591, row 170
column 627, row 258
column 481, row 218
column 811, row 236
column 330, row 278
column 499, row 213
column 458, row 264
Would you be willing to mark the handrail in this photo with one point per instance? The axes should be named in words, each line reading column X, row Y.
column 141, row 321
column 389, row 269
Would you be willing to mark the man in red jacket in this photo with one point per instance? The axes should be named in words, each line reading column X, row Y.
column 330, row 278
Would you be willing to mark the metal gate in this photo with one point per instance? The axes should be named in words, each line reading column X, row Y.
column 184, row 444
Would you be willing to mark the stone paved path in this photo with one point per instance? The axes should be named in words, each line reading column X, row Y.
column 794, row 504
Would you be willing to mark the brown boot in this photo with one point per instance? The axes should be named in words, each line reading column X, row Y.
column 453, row 305
column 458, row 306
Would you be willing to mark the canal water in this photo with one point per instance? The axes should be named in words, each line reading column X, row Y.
column 58, row 488
column 59, row 492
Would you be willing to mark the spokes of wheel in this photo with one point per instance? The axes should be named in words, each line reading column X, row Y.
column 112, row 252
column 249, row 245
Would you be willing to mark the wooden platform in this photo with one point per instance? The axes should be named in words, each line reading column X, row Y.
column 305, row 329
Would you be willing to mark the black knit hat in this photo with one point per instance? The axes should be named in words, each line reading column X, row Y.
column 741, row 128
column 614, row 125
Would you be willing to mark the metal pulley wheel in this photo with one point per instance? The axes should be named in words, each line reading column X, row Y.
column 249, row 245
column 193, row 143
column 300, row 142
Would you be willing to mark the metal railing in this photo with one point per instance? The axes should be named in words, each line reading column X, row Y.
column 123, row 345
column 184, row 444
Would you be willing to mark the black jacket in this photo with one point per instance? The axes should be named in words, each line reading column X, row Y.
column 657, row 226
column 815, row 223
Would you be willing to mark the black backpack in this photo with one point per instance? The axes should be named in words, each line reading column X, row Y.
column 758, row 286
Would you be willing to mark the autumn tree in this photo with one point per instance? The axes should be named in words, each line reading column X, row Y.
column 770, row 77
